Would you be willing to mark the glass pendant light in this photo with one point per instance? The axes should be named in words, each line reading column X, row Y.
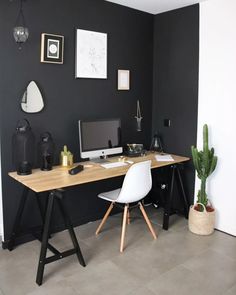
column 20, row 31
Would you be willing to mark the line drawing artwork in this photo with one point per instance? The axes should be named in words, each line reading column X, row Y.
column 91, row 54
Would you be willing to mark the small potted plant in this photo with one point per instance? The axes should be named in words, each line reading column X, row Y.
column 202, row 214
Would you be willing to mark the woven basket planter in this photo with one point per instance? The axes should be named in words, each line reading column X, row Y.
column 201, row 223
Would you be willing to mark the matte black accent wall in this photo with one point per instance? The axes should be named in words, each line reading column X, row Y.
column 130, row 46
column 175, row 82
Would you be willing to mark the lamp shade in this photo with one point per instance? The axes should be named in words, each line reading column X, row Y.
column 20, row 34
column 156, row 144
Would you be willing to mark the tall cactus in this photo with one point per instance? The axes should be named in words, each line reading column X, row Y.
column 204, row 163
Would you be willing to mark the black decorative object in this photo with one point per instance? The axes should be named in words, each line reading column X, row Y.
column 138, row 117
column 23, row 147
column 46, row 151
column 156, row 145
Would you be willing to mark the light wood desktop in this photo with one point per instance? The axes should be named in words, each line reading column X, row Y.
column 41, row 181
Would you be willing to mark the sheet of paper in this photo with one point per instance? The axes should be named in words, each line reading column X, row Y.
column 164, row 158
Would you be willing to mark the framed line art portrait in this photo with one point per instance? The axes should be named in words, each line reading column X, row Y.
column 91, row 54
column 52, row 48
column 123, row 80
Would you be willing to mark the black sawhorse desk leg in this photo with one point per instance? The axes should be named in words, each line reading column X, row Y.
column 44, row 235
column 16, row 225
column 71, row 231
column 167, row 209
column 43, row 260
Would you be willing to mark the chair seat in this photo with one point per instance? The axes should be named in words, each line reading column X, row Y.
column 111, row 195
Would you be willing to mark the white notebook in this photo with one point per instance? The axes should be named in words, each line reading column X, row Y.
column 164, row 158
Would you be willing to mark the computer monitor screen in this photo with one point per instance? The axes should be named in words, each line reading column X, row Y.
column 99, row 138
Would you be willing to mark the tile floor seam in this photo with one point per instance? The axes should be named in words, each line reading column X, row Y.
column 196, row 272
column 223, row 254
column 194, row 256
column 189, row 270
column 146, row 285
column 218, row 252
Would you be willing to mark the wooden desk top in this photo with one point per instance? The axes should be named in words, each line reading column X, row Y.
column 58, row 177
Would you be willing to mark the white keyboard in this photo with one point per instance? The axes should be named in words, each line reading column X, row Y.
column 113, row 165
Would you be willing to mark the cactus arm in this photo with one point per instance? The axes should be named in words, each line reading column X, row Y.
column 195, row 159
column 213, row 165
column 205, row 151
column 212, row 161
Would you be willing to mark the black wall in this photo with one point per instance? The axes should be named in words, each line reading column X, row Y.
column 160, row 51
column 175, row 82
column 130, row 46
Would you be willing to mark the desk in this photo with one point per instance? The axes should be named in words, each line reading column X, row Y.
column 41, row 181
column 52, row 182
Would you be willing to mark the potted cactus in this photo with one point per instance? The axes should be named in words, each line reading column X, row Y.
column 202, row 214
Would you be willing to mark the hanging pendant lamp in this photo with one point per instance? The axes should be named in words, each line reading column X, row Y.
column 20, row 31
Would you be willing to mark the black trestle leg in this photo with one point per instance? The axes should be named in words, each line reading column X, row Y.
column 185, row 200
column 41, row 211
column 169, row 200
column 17, row 222
column 44, row 245
column 71, row 231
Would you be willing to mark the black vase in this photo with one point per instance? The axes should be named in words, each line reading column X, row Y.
column 23, row 148
column 46, row 151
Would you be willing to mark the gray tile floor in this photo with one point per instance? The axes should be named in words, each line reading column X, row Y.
column 178, row 262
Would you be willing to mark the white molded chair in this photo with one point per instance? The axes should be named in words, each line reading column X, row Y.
column 137, row 184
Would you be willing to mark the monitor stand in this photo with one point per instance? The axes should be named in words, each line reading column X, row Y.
column 102, row 159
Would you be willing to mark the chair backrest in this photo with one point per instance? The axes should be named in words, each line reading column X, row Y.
column 137, row 183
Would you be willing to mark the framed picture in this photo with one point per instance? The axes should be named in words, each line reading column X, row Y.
column 91, row 54
column 123, row 80
column 52, row 48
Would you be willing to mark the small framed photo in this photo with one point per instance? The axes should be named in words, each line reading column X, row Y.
column 52, row 48
column 123, row 80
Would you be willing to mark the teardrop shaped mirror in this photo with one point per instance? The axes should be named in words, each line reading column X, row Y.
column 32, row 100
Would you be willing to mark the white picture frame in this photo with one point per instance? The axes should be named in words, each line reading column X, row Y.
column 123, row 82
column 91, row 54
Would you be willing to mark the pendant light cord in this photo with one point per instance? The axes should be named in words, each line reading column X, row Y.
column 20, row 15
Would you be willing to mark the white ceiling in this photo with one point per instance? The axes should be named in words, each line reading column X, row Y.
column 155, row 6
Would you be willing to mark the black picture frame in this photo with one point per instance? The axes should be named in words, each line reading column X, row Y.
column 52, row 48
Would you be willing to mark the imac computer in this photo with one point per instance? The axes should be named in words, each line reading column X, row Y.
column 99, row 138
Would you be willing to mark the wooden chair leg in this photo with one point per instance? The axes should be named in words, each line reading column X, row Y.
column 147, row 221
column 128, row 216
column 104, row 218
column 123, row 228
